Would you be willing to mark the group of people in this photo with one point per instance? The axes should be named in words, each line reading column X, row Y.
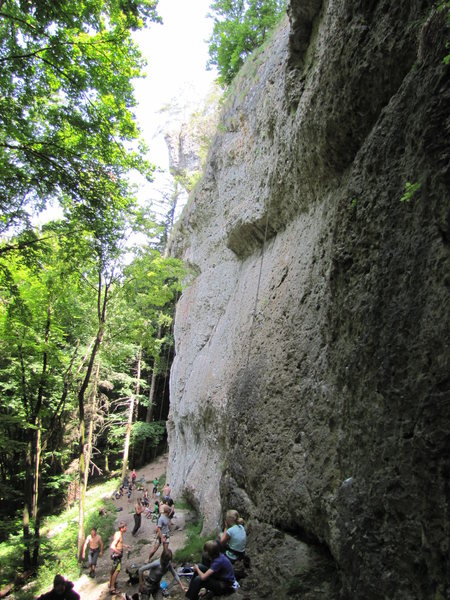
column 214, row 573
column 164, row 506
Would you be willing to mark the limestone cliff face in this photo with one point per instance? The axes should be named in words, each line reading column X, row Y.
column 311, row 388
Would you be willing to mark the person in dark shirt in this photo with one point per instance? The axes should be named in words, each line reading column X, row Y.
column 156, row 570
column 62, row 590
column 218, row 577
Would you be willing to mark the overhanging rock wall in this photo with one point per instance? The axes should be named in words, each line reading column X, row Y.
column 311, row 387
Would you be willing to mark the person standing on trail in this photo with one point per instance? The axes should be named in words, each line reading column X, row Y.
column 155, row 486
column 95, row 549
column 133, row 477
column 139, row 509
column 166, row 492
column 218, row 577
column 156, row 571
column 117, row 547
column 162, row 530
column 62, row 590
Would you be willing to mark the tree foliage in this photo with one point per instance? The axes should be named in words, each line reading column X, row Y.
column 53, row 330
column 66, row 102
column 240, row 26
column 74, row 311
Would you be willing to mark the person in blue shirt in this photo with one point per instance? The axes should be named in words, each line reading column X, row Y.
column 234, row 536
column 218, row 577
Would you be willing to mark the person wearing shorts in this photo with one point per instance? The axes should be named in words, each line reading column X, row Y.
column 116, row 548
column 162, row 530
column 95, row 542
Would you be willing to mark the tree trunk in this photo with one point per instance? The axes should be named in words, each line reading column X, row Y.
column 90, row 438
column 81, row 500
column 86, row 459
column 36, row 488
column 149, row 415
column 102, row 301
column 33, row 460
column 27, row 564
column 133, row 397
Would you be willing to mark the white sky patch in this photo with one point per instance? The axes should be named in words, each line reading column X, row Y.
column 176, row 53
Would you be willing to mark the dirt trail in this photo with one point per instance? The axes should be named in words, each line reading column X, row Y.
column 97, row 589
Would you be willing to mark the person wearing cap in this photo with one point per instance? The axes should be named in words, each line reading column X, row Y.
column 62, row 590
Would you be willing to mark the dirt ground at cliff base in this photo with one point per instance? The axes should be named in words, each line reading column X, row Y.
column 141, row 544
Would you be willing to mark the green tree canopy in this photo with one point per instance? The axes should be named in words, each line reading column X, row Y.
column 66, row 99
column 240, row 26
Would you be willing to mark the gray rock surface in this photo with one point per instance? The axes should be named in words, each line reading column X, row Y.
column 310, row 388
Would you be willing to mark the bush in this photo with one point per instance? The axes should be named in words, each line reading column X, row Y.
column 192, row 551
column 240, row 27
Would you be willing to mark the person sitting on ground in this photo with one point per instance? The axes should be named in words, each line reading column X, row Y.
column 234, row 536
column 156, row 571
column 95, row 542
column 162, row 530
column 155, row 512
column 62, row 590
column 218, row 577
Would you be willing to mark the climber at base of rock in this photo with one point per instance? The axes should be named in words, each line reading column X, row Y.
column 219, row 577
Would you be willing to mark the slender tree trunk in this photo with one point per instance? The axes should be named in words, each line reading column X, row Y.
column 90, row 438
column 27, row 564
column 81, row 499
column 86, row 462
column 82, row 442
column 36, row 489
column 151, row 398
column 133, row 398
column 102, row 301
column 36, row 478
column 33, row 459
column 31, row 497
column 126, row 444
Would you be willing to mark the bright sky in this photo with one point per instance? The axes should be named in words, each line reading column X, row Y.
column 177, row 53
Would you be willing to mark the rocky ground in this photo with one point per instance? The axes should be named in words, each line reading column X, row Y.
column 98, row 589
